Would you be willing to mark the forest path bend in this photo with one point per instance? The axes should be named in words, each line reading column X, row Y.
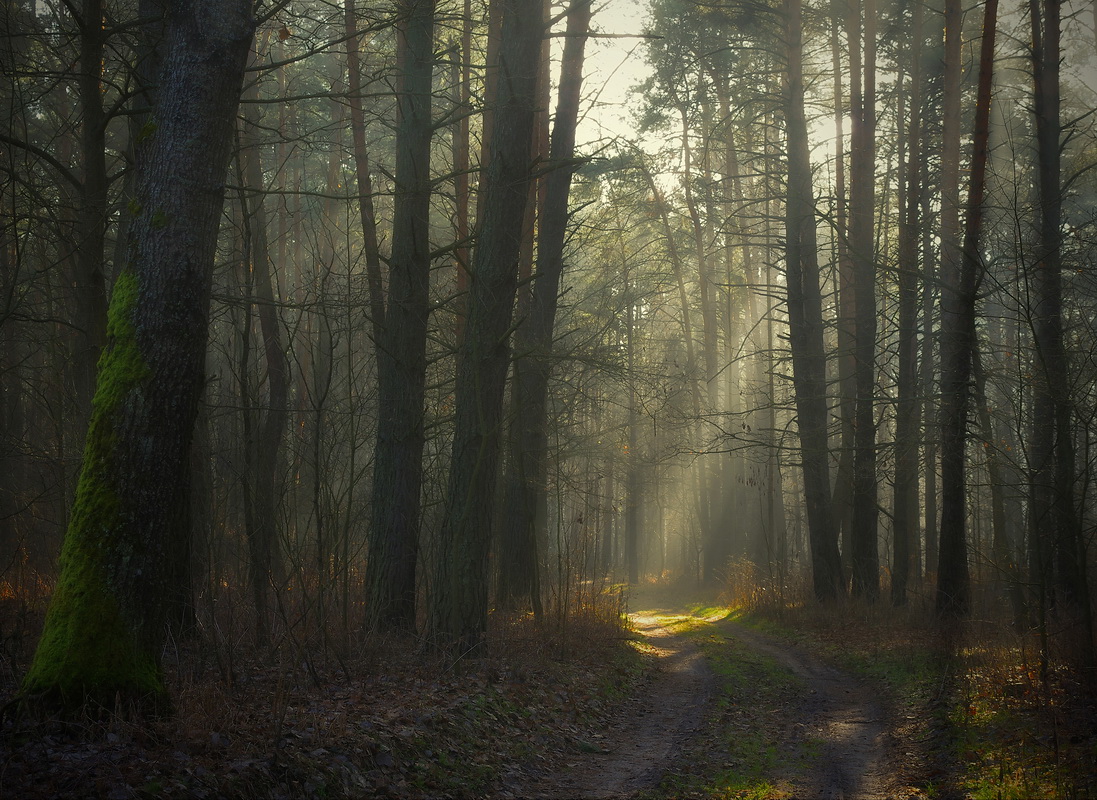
column 840, row 714
column 650, row 731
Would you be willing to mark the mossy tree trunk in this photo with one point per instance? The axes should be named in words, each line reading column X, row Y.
column 107, row 617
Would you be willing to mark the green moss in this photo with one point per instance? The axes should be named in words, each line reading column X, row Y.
column 146, row 132
column 89, row 652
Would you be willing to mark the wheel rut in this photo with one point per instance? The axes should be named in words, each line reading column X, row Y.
column 840, row 714
column 648, row 734
column 838, row 720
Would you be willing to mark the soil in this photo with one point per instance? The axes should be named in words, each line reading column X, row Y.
column 838, row 716
column 647, row 734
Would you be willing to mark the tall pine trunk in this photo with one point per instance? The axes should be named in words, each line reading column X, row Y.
column 905, row 525
column 525, row 481
column 862, row 206
column 1057, row 546
column 806, row 323
column 457, row 608
column 401, row 352
column 366, row 210
column 957, row 353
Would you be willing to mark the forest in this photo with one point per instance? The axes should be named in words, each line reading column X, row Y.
column 548, row 398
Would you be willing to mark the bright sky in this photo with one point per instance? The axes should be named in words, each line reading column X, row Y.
column 611, row 68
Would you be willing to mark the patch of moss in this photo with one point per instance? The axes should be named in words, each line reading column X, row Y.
column 89, row 653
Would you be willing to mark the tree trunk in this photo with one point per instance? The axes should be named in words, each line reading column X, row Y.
column 401, row 356
column 862, row 205
column 361, row 171
column 90, row 280
column 106, row 621
column 930, row 410
column 1054, row 529
column 525, row 480
column 805, row 323
column 957, row 349
column 846, row 328
column 262, row 532
column 457, row 611
column 905, row 525
column 461, row 167
column 633, row 497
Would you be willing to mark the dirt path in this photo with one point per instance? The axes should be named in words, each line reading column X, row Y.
column 648, row 735
column 837, row 718
column 839, row 713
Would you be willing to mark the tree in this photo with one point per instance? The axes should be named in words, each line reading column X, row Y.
column 905, row 526
column 1056, row 544
column 262, row 446
column 805, row 321
column 402, row 349
column 361, row 171
column 526, row 470
column 957, row 353
column 862, row 243
column 91, row 294
column 951, row 538
column 103, row 632
column 457, row 613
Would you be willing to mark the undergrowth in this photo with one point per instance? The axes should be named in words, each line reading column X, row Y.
column 969, row 711
column 380, row 720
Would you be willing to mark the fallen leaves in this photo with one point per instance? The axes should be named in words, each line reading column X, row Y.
column 392, row 726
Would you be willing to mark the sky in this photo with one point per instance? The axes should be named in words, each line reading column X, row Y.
column 612, row 66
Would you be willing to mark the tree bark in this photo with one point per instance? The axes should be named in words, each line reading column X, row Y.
column 846, row 328
column 525, row 481
column 957, row 351
column 905, row 527
column 90, row 278
column 262, row 532
column 1056, row 542
column 457, row 611
column 401, row 357
column 361, row 171
column 805, row 323
column 862, row 206
column 106, row 620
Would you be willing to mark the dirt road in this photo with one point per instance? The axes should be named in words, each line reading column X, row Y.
column 841, row 715
column 834, row 726
column 649, row 733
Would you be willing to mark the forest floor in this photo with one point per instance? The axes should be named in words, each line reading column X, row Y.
column 695, row 701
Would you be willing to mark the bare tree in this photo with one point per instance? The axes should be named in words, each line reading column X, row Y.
column 402, row 349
